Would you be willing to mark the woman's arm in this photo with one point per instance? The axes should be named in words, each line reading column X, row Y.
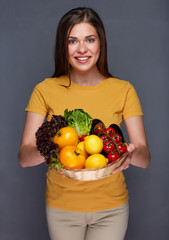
column 28, row 154
column 139, row 154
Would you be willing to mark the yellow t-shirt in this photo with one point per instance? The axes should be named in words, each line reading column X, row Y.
column 111, row 101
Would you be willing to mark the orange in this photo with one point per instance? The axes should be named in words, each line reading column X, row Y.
column 66, row 136
column 72, row 157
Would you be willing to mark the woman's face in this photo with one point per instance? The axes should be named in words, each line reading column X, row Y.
column 83, row 47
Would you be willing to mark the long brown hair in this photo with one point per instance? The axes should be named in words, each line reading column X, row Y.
column 67, row 22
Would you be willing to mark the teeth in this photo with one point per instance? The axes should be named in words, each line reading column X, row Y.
column 83, row 59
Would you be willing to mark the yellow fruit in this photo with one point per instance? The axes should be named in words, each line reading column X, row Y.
column 96, row 161
column 93, row 144
column 82, row 147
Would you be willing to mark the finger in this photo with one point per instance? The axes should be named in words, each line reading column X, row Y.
column 130, row 147
column 124, row 166
column 118, row 169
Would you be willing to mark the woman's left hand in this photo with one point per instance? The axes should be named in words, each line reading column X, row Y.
column 139, row 154
column 127, row 161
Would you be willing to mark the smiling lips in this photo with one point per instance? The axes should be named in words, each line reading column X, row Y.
column 83, row 59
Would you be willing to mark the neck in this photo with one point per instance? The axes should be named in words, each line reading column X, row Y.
column 90, row 78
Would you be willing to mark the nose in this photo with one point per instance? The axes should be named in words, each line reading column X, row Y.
column 82, row 48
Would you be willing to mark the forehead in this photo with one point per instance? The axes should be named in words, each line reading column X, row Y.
column 83, row 29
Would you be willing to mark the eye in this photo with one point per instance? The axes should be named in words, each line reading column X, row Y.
column 90, row 40
column 72, row 41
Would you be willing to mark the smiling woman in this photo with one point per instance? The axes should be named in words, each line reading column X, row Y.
column 83, row 55
column 77, row 209
column 84, row 52
column 94, row 31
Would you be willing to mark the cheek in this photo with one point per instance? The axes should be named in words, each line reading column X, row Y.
column 96, row 49
column 71, row 50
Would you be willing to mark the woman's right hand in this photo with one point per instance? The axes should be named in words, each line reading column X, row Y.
column 28, row 154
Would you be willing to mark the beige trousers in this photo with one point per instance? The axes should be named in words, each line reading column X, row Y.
column 101, row 225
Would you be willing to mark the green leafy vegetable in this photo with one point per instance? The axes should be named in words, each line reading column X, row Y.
column 79, row 120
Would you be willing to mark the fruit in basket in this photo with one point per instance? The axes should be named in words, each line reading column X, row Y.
column 108, row 147
column 66, row 136
column 82, row 138
column 113, row 142
column 105, row 138
column 93, row 144
column 122, row 148
column 113, row 156
column 118, row 130
column 77, row 125
column 96, row 161
column 94, row 123
column 117, row 138
column 82, row 147
column 72, row 157
column 110, row 131
column 99, row 129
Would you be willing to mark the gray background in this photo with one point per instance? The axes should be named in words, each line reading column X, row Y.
column 138, row 37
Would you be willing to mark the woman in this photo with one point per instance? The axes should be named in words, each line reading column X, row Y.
column 91, row 209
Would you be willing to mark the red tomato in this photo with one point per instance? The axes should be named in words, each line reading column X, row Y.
column 105, row 138
column 82, row 138
column 122, row 148
column 110, row 131
column 108, row 147
column 99, row 128
column 113, row 156
column 117, row 138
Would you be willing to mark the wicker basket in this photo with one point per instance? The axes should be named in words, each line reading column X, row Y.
column 93, row 174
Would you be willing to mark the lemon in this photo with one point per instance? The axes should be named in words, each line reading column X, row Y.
column 82, row 147
column 96, row 161
column 93, row 144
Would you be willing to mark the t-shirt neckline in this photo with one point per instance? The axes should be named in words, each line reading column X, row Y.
column 77, row 86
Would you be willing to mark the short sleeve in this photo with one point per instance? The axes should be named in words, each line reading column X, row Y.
column 37, row 102
column 132, row 106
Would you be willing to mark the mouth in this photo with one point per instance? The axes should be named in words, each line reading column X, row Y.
column 82, row 59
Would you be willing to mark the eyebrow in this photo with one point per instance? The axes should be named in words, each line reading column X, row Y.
column 85, row 37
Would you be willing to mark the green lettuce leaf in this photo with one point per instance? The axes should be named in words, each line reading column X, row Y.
column 79, row 120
